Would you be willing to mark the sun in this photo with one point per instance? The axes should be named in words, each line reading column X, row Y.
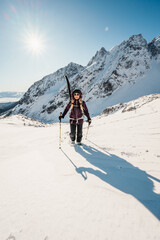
column 35, row 43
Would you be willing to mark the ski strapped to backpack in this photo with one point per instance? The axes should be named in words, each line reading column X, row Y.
column 68, row 84
column 72, row 101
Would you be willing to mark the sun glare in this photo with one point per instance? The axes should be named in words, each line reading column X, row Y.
column 35, row 44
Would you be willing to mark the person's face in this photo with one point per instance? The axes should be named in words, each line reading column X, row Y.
column 76, row 96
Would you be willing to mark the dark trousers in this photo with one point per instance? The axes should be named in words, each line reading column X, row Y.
column 73, row 134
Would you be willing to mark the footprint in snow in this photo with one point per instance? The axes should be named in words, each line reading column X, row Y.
column 11, row 237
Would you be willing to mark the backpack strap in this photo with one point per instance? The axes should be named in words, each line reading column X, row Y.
column 72, row 102
column 81, row 106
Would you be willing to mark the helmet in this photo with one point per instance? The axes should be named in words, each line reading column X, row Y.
column 77, row 91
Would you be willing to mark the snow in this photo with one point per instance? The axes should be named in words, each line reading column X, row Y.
column 108, row 188
column 149, row 84
column 157, row 41
column 42, row 94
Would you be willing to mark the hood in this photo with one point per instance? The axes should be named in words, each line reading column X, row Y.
column 78, row 91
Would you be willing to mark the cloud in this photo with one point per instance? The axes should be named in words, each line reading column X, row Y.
column 106, row 29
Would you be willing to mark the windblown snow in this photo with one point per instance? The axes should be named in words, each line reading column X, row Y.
column 108, row 188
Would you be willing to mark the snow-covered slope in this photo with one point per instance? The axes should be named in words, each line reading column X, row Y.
column 43, row 92
column 108, row 188
column 7, row 103
column 21, row 120
column 7, row 106
column 127, row 71
column 132, row 105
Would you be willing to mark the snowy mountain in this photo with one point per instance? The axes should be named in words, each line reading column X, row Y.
column 5, row 106
column 43, row 92
column 9, row 100
column 108, row 188
column 124, row 73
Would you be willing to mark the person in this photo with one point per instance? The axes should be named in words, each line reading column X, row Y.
column 78, row 109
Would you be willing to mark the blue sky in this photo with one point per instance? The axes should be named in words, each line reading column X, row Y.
column 67, row 31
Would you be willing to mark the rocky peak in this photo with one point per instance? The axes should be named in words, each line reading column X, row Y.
column 72, row 69
column 157, row 41
column 136, row 42
column 154, row 46
column 102, row 51
column 40, row 87
column 101, row 54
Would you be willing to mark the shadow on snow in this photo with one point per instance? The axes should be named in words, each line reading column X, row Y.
column 122, row 175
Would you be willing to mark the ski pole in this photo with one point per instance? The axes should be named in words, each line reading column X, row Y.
column 87, row 131
column 60, row 130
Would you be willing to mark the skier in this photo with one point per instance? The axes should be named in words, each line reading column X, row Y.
column 78, row 108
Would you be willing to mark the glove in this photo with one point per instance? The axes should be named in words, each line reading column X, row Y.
column 89, row 121
column 60, row 117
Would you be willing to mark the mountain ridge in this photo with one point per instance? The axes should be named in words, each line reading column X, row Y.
column 105, row 73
